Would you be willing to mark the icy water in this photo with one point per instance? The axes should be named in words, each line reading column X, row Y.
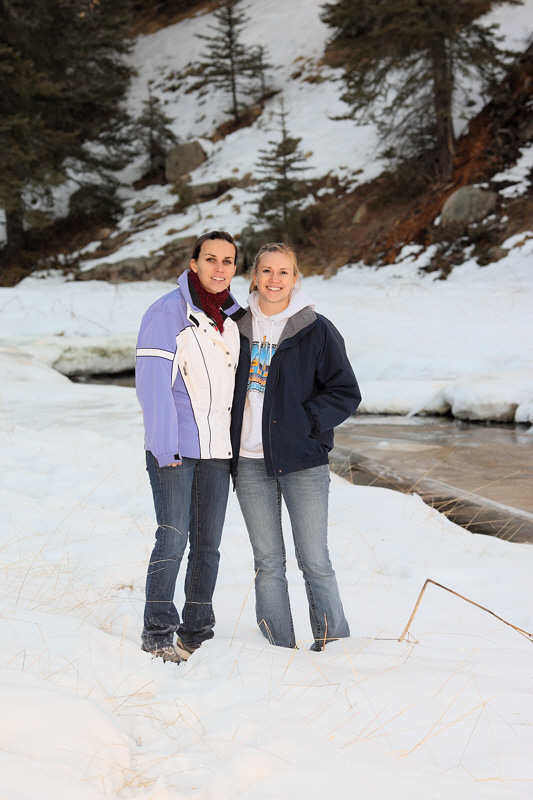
column 481, row 475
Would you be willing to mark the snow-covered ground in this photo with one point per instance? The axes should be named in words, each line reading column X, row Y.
column 445, row 713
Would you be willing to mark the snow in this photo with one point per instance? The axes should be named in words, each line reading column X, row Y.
column 447, row 712
column 519, row 174
column 84, row 752
column 294, row 37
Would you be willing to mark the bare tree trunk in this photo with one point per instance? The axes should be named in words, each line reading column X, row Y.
column 232, row 41
column 234, row 99
column 15, row 228
column 442, row 99
column 15, row 238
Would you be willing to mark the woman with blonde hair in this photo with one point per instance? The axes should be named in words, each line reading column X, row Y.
column 294, row 384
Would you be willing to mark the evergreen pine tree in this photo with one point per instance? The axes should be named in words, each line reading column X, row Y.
column 403, row 62
column 62, row 78
column 153, row 133
column 228, row 64
column 259, row 67
column 281, row 189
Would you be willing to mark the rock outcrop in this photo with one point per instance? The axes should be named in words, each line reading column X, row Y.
column 467, row 205
column 183, row 159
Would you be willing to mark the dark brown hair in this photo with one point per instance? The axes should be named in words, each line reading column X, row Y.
column 227, row 237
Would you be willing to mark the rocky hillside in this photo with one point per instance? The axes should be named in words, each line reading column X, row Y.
column 357, row 209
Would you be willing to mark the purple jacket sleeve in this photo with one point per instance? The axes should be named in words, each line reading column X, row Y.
column 156, row 349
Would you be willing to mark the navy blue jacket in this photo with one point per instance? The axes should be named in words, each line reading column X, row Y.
column 310, row 389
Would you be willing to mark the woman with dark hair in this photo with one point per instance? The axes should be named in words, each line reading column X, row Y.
column 187, row 354
column 294, row 385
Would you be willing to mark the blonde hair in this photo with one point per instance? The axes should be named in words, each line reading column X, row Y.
column 273, row 247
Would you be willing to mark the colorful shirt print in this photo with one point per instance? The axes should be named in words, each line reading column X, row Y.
column 262, row 353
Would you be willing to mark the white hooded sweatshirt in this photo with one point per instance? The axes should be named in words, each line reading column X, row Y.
column 266, row 335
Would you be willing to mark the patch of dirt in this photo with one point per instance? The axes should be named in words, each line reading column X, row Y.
column 248, row 117
column 165, row 14
column 109, row 245
column 156, row 177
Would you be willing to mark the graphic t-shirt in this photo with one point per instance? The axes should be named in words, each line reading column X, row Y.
column 262, row 353
column 267, row 332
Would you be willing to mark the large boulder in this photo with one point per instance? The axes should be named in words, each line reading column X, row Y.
column 182, row 159
column 129, row 269
column 182, row 245
column 467, row 205
column 209, row 191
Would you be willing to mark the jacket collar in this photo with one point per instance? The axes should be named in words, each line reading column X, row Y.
column 231, row 308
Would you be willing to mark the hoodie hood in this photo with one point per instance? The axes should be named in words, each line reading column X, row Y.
column 297, row 302
column 268, row 330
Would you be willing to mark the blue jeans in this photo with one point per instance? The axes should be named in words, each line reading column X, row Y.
column 306, row 496
column 190, row 505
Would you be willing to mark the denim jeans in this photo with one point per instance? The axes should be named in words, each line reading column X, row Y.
column 190, row 505
column 306, row 496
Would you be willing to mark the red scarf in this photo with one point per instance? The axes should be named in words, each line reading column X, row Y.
column 209, row 302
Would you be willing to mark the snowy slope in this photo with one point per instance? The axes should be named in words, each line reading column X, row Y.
column 85, row 714
column 295, row 38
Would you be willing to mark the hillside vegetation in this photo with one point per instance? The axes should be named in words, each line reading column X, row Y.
column 356, row 205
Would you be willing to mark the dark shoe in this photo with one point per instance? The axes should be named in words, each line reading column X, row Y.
column 183, row 650
column 168, row 653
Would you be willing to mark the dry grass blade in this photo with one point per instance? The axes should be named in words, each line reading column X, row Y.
column 434, row 733
column 247, row 744
column 381, row 725
column 242, row 609
column 476, row 491
column 428, row 580
column 436, row 464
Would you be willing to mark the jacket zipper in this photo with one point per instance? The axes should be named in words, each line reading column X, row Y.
column 270, row 413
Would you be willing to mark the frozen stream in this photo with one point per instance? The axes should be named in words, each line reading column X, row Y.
column 482, row 473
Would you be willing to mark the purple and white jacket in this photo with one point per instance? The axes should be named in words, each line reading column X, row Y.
column 185, row 376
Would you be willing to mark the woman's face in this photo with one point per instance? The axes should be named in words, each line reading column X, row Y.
column 215, row 265
column 275, row 279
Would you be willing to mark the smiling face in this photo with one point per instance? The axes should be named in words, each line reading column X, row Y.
column 275, row 278
column 215, row 265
